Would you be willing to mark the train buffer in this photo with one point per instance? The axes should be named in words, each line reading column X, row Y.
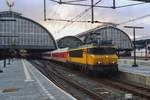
column 22, row 81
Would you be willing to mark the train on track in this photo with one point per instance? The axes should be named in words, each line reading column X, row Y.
column 92, row 59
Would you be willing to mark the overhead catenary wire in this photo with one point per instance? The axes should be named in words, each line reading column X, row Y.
column 79, row 4
column 135, row 19
column 76, row 1
column 88, row 5
column 93, row 6
column 75, row 21
column 122, row 23
column 80, row 15
column 77, row 17
column 135, row 4
column 128, row 21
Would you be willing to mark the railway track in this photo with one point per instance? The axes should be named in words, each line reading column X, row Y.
column 97, row 93
column 51, row 73
column 139, row 90
column 134, row 89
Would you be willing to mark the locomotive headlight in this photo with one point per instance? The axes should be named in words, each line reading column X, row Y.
column 113, row 62
column 106, row 56
column 100, row 62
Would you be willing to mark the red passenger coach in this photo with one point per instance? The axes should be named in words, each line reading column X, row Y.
column 60, row 55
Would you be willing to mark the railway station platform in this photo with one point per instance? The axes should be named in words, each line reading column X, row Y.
column 140, row 74
column 22, row 81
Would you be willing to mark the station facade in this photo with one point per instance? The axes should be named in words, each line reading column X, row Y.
column 18, row 32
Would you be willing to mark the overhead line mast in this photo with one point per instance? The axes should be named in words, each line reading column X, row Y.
column 92, row 11
column 114, row 4
column 45, row 10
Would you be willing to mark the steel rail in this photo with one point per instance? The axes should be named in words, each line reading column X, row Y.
column 72, row 83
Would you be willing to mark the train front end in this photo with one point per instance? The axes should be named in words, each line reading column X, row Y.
column 102, row 59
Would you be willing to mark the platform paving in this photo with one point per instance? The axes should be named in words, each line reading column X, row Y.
column 140, row 74
column 125, row 65
column 22, row 81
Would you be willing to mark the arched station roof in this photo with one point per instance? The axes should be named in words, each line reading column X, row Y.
column 110, row 33
column 69, row 41
column 142, row 42
column 19, row 32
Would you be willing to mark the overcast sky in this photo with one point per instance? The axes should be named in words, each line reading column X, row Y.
column 33, row 9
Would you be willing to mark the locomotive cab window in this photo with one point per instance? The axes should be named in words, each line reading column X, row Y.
column 101, row 51
column 76, row 53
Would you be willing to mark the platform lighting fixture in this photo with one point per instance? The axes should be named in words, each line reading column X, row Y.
column 134, row 27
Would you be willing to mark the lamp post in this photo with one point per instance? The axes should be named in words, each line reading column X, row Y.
column 146, row 49
column 134, row 27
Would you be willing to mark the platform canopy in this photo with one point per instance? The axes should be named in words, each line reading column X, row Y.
column 18, row 32
column 69, row 42
column 107, row 33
